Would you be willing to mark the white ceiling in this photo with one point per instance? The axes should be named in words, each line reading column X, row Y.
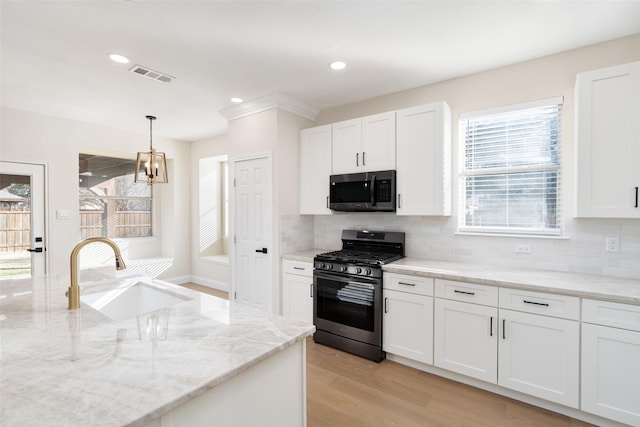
column 54, row 53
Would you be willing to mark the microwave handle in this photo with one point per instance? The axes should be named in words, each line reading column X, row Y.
column 372, row 190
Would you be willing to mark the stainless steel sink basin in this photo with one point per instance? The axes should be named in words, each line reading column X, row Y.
column 132, row 301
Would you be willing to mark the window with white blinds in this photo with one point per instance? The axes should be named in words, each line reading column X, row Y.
column 510, row 176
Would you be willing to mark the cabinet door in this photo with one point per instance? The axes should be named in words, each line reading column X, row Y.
column 407, row 328
column 347, row 143
column 423, row 157
column 607, row 144
column 315, row 169
column 465, row 339
column 297, row 297
column 539, row 356
column 611, row 373
column 378, row 142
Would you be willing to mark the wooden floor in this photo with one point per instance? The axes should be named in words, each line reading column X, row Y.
column 347, row 390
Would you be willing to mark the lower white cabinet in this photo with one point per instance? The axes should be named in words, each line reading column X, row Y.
column 611, row 360
column 407, row 323
column 540, row 356
column 297, row 290
column 465, row 339
column 527, row 349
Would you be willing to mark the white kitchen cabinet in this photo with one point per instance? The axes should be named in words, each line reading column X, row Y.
column 315, row 169
column 539, row 356
column 465, row 338
column 611, row 360
column 423, row 157
column 364, row 144
column 407, row 328
column 539, row 345
column 297, row 290
column 607, row 144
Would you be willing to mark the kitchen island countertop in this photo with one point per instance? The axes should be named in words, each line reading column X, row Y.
column 80, row 368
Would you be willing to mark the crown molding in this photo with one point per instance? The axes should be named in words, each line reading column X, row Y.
column 269, row 102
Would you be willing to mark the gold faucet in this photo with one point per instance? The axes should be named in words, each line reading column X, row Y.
column 74, row 290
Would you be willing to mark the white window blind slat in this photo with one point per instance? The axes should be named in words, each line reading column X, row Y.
column 511, row 178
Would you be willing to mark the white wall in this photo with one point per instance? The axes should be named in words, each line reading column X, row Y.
column 434, row 237
column 35, row 138
column 205, row 272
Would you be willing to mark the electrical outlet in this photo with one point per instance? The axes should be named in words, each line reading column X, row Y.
column 612, row 244
column 523, row 249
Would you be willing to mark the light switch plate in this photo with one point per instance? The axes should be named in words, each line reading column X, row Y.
column 62, row 214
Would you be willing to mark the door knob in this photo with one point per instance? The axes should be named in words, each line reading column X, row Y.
column 263, row 250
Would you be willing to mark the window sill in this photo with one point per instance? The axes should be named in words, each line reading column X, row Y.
column 216, row 259
column 520, row 236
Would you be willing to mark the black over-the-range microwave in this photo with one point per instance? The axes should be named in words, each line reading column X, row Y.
column 363, row 192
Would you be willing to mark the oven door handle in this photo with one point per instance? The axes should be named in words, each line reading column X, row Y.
column 336, row 277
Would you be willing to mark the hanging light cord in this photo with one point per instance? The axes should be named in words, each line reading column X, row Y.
column 151, row 119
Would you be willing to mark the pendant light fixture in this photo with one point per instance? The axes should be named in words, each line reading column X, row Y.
column 151, row 166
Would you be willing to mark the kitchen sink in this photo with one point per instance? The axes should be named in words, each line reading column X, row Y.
column 132, row 301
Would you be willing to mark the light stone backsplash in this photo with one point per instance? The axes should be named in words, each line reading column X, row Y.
column 296, row 233
column 581, row 251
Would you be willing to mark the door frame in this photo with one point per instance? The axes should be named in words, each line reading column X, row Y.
column 273, row 304
column 45, row 213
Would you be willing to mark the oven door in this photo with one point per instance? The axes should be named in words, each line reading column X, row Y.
column 348, row 306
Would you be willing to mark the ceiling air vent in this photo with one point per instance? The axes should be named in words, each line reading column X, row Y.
column 154, row 75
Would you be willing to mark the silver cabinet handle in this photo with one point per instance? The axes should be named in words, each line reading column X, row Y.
column 399, row 204
column 491, row 326
column 357, row 159
column 464, row 292
column 311, row 290
column 298, row 268
column 504, row 327
column 406, row 284
column 386, row 308
column 363, row 162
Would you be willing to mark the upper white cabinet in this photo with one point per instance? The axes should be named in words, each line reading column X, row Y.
column 365, row 144
column 608, row 142
column 611, row 360
column 315, row 169
column 423, row 156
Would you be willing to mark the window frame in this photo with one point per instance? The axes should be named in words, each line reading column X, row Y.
column 151, row 199
column 464, row 173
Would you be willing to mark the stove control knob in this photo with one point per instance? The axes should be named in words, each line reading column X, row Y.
column 343, row 268
column 321, row 265
column 367, row 271
column 358, row 270
column 329, row 267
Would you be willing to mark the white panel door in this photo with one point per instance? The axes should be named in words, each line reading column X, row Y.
column 252, row 264
column 465, row 339
column 540, row 356
column 22, row 229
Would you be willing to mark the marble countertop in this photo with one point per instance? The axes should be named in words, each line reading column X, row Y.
column 80, row 368
column 306, row 255
column 576, row 284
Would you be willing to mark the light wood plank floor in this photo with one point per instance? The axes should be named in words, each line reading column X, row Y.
column 347, row 390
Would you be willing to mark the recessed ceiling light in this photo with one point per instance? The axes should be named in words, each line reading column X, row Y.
column 236, row 100
column 337, row 65
column 121, row 59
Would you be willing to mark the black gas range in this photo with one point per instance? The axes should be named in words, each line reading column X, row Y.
column 347, row 308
